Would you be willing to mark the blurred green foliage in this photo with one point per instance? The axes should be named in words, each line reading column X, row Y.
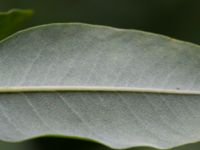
column 176, row 18
column 11, row 21
column 71, row 144
column 29, row 145
column 54, row 143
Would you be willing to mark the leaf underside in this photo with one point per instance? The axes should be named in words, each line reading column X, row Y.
column 61, row 64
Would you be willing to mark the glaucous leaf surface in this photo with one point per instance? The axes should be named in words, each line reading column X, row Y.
column 11, row 20
column 122, row 88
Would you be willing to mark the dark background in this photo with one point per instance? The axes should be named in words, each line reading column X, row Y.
column 176, row 18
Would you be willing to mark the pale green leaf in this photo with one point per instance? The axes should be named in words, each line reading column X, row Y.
column 122, row 88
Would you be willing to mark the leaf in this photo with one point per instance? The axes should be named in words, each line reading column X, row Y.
column 122, row 88
column 11, row 20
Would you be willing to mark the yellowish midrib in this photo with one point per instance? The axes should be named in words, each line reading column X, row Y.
column 16, row 89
